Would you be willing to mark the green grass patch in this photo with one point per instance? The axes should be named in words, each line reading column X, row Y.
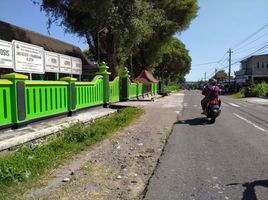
column 20, row 171
column 238, row 95
column 172, row 88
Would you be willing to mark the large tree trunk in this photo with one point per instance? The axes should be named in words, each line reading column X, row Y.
column 110, row 47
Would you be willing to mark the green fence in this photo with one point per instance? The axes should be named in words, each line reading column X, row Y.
column 44, row 98
column 5, row 102
column 23, row 100
column 89, row 93
column 132, row 90
column 114, row 90
column 154, row 88
column 139, row 89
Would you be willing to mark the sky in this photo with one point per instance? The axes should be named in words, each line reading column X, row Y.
column 220, row 25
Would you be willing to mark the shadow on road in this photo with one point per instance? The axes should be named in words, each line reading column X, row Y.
column 194, row 122
column 249, row 192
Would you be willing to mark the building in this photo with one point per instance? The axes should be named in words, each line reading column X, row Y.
column 253, row 69
column 9, row 32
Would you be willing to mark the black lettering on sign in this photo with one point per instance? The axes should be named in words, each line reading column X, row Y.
column 67, row 63
column 4, row 52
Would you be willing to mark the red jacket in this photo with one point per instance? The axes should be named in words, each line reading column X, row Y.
column 211, row 92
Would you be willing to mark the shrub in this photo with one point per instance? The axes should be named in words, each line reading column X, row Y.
column 260, row 89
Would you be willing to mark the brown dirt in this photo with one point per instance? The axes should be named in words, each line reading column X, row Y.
column 121, row 166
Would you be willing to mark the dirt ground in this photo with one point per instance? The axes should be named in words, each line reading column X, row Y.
column 121, row 166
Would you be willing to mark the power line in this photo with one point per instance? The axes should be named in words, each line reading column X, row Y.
column 258, row 50
column 250, row 36
column 252, row 41
column 206, row 63
column 263, row 43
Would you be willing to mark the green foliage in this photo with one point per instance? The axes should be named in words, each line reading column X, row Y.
column 173, row 62
column 136, row 31
column 259, row 89
column 26, row 165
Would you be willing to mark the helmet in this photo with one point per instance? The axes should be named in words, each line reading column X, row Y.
column 212, row 81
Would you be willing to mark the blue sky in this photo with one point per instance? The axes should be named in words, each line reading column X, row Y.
column 220, row 25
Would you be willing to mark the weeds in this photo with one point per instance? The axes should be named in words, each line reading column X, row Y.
column 172, row 88
column 28, row 164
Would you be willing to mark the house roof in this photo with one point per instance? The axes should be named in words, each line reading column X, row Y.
column 146, row 76
column 9, row 32
column 220, row 74
column 246, row 59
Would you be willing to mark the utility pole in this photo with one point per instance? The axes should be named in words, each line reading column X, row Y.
column 229, row 74
column 205, row 76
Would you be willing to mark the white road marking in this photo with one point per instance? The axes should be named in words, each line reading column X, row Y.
column 234, row 105
column 251, row 123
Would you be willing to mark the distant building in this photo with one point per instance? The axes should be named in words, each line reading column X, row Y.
column 253, row 69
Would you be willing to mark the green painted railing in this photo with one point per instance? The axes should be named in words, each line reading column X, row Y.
column 132, row 90
column 139, row 89
column 44, row 98
column 114, row 90
column 154, row 87
column 5, row 102
column 22, row 100
column 89, row 93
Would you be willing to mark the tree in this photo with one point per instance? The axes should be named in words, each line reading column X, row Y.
column 135, row 28
column 177, row 17
column 175, row 61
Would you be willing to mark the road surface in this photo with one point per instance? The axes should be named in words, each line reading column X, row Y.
column 225, row 160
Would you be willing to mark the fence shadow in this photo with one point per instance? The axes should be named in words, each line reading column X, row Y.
column 249, row 192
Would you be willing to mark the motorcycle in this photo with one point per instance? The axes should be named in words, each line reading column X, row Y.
column 213, row 110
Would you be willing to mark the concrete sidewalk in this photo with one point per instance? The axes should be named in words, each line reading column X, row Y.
column 31, row 133
column 256, row 100
column 11, row 138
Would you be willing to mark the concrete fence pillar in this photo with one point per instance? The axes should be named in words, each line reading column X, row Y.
column 106, row 86
column 124, row 85
column 71, row 94
column 18, row 105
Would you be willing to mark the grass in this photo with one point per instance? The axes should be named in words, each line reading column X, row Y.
column 21, row 170
column 238, row 95
column 172, row 88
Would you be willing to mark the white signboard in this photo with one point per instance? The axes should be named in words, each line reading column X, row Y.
column 76, row 66
column 65, row 64
column 6, row 55
column 28, row 58
column 52, row 62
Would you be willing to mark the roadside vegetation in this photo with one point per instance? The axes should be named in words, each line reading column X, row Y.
column 22, row 169
column 172, row 88
column 256, row 90
column 260, row 89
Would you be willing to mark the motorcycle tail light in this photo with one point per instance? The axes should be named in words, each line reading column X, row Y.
column 214, row 102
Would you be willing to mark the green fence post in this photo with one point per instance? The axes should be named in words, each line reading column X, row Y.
column 124, row 85
column 106, row 87
column 18, row 107
column 71, row 94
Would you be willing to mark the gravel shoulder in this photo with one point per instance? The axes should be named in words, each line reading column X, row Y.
column 121, row 166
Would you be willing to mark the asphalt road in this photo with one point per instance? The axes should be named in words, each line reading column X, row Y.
column 225, row 160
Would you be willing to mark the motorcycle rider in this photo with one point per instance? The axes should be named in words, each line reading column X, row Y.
column 211, row 91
